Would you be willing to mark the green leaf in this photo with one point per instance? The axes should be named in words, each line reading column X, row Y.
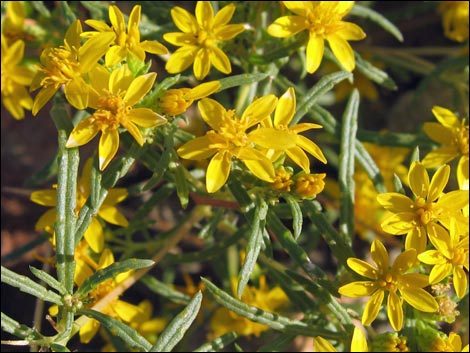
column 240, row 80
column 19, row 330
column 297, row 216
column 41, row 8
column 59, row 348
column 346, row 168
column 253, row 247
column 325, row 84
column 217, row 343
column 274, row 321
column 398, row 184
column 366, row 12
column 118, row 328
column 414, row 157
column 176, row 329
column 27, row 285
column 181, row 183
column 51, row 281
column 110, row 272
column 370, row 167
column 279, row 344
column 373, row 73
column 165, row 290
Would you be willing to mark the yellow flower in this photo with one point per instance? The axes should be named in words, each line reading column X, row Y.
column 118, row 309
column 282, row 180
column 126, row 42
column 430, row 206
column 266, row 299
column 113, row 97
column 68, row 66
column 200, row 39
column 385, row 279
column 229, row 139
column 176, row 101
column 308, row 186
column 390, row 342
column 358, row 343
column 323, row 20
column 453, row 137
column 13, row 26
column 15, row 79
column 284, row 138
column 108, row 211
column 451, row 343
column 455, row 19
column 449, row 257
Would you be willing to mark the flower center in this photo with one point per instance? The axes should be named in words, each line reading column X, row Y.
column 389, row 282
column 111, row 112
column 458, row 257
column 233, row 130
column 61, row 67
column 424, row 210
column 461, row 138
column 205, row 39
column 324, row 20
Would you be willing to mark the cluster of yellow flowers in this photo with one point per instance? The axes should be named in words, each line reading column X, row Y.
column 102, row 72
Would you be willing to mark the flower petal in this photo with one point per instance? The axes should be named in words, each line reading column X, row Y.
column 271, row 138
column 76, row 91
column 197, row 149
column 228, row 32
column 212, row 112
column 404, row 261
column 115, row 195
column 439, row 133
column 460, row 281
column 446, row 117
column 202, row 63
column 259, row 109
column 358, row 289
column 363, row 268
column 311, row 147
column 395, row 202
column 94, row 236
column 89, row 330
column 350, row 31
column 418, row 179
column 342, row 51
column 372, row 308
column 285, row 109
column 220, row 60
column 181, row 59
column 413, row 280
column 224, row 15
column 315, row 50
column 416, row 239
column 83, row 133
column 439, row 272
column 112, row 215
column 380, row 256
column 108, row 147
column 431, row 257
column 218, row 171
column 126, row 311
column 145, row 117
column 438, row 182
column 154, row 47
column 322, row 345
column 139, row 88
column 93, row 49
column 203, row 90
column 299, row 157
column 395, row 311
column 47, row 197
column 358, row 341
column 400, row 223
column 287, row 26
column 184, row 20
column 420, row 299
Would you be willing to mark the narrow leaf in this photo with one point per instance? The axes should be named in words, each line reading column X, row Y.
column 274, row 321
column 19, row 330
column 27, row 285
column 181, row 183
column 373, row 73
column 370, row 167
column 346, row 168
column 118, row 328
column 279, row 344
column 165, row 290
column 398, row 184
column 217, row 343
column 176, row 329
column 240, row 80
column 325, row 84
column 110, row 272
column 51, row 281
column 367, row 12
column 297, row 216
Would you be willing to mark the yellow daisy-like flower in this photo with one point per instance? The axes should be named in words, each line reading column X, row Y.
column 118, row 309
column 127, row 41
column 453, row 135
column 278, row 135
column 324, row 21
column 200, row 39
column 308, row 186
column 68, row 66
column 451, row 343
column 177, row 100
column 430, row 205
column 228, row 139
column 449, row 257
column 94, row 234
column 263, row 297
column 113, row 97
column 455, row 19
column 358, row 343
column 392, row 280
column 15, row 79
